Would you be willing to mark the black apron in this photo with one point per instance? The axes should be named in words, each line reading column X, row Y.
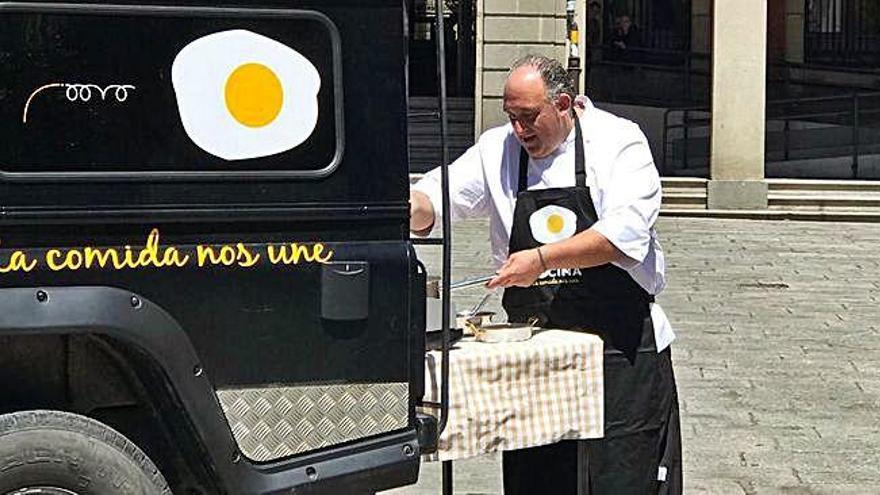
column 641, row 406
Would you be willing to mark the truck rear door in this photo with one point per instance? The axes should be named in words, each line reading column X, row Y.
column 244, row 172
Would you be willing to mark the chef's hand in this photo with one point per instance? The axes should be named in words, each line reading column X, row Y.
column 421, row 213
column 521, row 269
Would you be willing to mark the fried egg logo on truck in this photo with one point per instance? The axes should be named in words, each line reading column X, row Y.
column 242, row 95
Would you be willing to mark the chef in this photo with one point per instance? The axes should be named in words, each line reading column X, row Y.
column 572, row 196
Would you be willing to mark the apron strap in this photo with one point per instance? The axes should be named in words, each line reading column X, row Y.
column 580, row 173
column 523, row 169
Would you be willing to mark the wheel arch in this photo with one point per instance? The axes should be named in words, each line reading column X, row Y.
column 146, row 344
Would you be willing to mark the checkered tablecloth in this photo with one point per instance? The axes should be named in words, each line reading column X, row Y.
column 521, row 394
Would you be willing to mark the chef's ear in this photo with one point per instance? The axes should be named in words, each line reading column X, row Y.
column 564, row 103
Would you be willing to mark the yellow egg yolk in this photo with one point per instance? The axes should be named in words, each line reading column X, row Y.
column 555, row 223
column 254, row 95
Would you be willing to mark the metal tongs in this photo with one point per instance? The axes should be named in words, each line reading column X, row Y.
column 470, row 282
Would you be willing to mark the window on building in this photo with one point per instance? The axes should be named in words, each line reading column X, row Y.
column 651, row 31
column 823, row 110
column 654, row 68
column 843, row 33
column 459, row 18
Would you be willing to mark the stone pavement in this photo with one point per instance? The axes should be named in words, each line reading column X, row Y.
column 777, row 357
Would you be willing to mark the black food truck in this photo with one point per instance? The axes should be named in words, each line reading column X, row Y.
column 206, row 279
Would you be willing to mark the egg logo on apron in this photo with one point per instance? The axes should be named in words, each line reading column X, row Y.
column 551, row 224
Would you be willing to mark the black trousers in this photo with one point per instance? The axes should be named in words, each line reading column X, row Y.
column 642, row 440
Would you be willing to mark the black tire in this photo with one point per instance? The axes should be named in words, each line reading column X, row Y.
column 72, row 453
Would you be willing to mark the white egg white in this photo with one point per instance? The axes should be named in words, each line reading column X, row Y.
column 538, row 224
column 199, row 75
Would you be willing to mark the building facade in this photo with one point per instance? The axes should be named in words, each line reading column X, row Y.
column 734, row 93
column 734, row 96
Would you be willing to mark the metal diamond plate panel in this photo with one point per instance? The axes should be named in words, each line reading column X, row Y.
column 276, row 422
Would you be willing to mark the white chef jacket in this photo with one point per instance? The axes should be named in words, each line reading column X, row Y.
column 624, row 186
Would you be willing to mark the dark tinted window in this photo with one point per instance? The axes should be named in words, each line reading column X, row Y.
column 110, row 105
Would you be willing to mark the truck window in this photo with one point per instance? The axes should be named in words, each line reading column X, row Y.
column 150, row 94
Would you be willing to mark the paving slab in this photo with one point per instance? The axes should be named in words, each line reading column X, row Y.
column 777, row 356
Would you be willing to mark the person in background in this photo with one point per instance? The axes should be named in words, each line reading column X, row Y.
column 625, row 40
column 572, row 196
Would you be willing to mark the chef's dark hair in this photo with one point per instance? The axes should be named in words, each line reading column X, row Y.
column 555, row 76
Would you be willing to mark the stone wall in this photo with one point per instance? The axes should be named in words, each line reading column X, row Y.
column 506, row 30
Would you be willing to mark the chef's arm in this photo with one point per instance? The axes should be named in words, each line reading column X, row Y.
column 587, row 249
column 421, row 211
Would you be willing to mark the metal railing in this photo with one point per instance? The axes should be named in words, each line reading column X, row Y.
column 637, row 77
column 854, row 115
column 686, row 124
column 833, row 113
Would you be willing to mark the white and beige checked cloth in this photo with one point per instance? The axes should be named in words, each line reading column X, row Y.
column 519, row 394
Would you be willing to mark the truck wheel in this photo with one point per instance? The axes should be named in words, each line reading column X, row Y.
column 59, row 453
